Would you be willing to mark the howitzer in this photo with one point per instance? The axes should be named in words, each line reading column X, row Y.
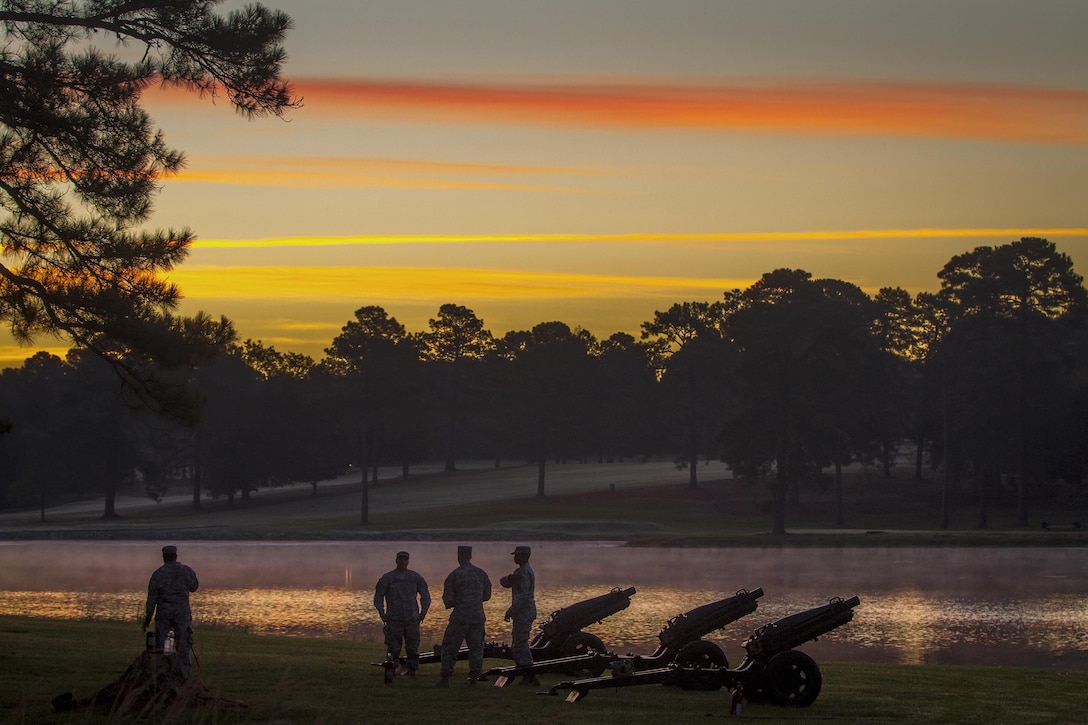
column 563, row 623
column 771, row 670
column 560, row 635
column 680, row 638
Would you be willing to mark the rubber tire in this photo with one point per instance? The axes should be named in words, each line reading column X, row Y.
column 582, row 643
column 704, row 656
column 792, row 679
column 701, row 653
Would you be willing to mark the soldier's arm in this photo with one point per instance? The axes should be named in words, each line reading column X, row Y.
column 379, row 597
column 487, row 585
column 424, row 598
column 519, row 583
column 149, row 605
column 194, row 584
column 447, row 593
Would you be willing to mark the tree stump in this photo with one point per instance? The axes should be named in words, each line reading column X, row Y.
column 152, row 683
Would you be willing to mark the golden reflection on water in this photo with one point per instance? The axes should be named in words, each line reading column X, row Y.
column 94, row 606
column 994, row 606
column 908, row 627
column 911, row 621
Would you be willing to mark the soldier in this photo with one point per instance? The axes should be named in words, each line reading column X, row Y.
column 402, row 600
column 465, row 591
column 168, row 599
column 522, row 585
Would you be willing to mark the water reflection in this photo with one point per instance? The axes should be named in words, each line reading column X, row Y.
column 993, row 606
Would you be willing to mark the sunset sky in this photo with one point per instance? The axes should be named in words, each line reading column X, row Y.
column 592, row 161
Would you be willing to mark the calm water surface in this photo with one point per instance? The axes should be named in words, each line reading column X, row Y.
column 918, row 605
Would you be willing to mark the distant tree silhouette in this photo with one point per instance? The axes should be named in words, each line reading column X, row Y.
column 793, row 374
column 553, row 370
column 625, row 398
column 456, row 340
column 896, row 329
column 203, row 341
column 271, row 364
column 899, row 328
column 232, row 445
column 694, row 360
column 105, row 458
column 371, row 357
column 800, row 343
column 1010, row 307
column 35, row 456
column 306, row 443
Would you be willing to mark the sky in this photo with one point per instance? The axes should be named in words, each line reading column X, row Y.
column 594, row 161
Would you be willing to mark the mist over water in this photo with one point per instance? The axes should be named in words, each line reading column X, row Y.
column 918, row 605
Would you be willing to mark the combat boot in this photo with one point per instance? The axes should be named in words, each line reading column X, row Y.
column 444, row 682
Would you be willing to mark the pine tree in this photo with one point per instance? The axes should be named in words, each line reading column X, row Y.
column 81, row 161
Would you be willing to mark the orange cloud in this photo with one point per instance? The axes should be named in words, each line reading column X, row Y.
column 973, row 111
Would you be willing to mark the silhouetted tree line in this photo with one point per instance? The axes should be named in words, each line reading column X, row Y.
column 786, row 381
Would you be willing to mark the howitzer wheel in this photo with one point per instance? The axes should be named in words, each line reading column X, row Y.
column 792, row 679
column 706, row 658
column 701, row 653
column 579, row 644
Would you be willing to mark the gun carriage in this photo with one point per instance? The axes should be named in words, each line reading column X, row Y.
column 560, row 635
column 680, row 641
column 772, row 669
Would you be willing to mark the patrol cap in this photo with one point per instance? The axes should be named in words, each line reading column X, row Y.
column 170, row 550
column 402, row 554
column 522, row 550
column 464, row 551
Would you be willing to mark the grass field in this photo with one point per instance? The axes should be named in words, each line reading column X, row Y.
column 286, row 681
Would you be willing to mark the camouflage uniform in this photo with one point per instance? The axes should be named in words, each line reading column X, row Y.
column 466, row 589
column 168, row 599
column 395, row 598
column 522, row 585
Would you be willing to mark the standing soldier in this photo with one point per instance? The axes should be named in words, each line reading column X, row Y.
column 465, row 591
column 168, row 599
column 522, row 585
column 402, row 600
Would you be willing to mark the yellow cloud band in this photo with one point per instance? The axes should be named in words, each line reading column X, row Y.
column 421, row 283
column 849, row 234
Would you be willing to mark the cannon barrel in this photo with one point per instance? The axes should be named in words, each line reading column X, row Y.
column 574, row 617
column 703, row 620
column 555, row 632
column 679, row 631
column 796, row 629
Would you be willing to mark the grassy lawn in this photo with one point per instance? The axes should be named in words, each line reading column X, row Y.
column 595, row 502
column 729, row 512
column 287, row 680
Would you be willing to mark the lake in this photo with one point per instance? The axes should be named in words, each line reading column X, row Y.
column 997, row 606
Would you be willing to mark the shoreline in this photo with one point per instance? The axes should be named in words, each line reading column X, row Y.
column 797, row 539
